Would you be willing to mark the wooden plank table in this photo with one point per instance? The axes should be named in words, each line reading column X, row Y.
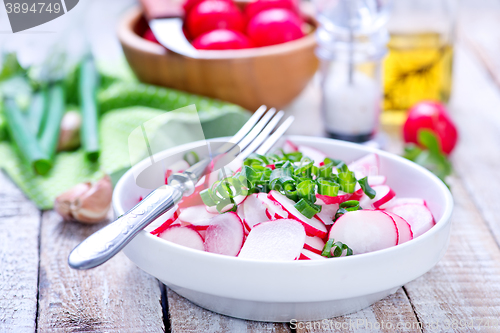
column 39, row 292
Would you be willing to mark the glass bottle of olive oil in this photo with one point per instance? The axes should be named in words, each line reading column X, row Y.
column 418, row 65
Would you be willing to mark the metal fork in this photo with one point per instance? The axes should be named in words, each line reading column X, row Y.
column 254, row 136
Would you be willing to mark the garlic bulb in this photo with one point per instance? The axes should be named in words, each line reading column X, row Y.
column 86, row 203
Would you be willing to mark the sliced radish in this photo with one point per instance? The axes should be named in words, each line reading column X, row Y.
column 197, row 216
column 280, row 240
column 404, row 201
column 384, row 194
column 186, row 236
column 327, row 213
column 309, row 255
column 290, row 147
column 225, row 235
column 327, row 200
column 237, row 200
column 365, row 231
column 274, row 209
column 404, row 230
column 162, row 223
column 314, row 244
column 314, row 154
column 313, row 226
column 194, row 199
column 366, row 166
column 254, row 210
column 375, row 180
column 418, row 217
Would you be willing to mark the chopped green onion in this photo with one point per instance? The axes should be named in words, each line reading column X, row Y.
column 347, row 181
column 332, row 161
column 347, row 206
column 329, row 188
column 338, row 249
column 307, row 209
column 342, row 167
column 191, row 158
column 327, row 249
column 207, row 197
column 363, row 182
column 307, row 190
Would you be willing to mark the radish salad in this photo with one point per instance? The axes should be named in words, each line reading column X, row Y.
column 294, row 204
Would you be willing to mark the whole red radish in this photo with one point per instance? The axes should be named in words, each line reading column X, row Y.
column 222, row 39
column 274, row 26
column 190, row 4
column 214, row 14
column 253, row 8
column 433, row 116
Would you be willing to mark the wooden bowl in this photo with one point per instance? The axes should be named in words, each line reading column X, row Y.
column 272, row 75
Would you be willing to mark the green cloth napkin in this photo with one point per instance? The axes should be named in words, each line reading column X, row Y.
column 126, row 104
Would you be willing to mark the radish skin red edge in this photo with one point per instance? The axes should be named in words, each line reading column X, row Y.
column 185, row 236
column 280, row 240
column 365, row 231
column 313, row 226
column 225, row 235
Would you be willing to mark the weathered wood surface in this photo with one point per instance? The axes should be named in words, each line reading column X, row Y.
column 115, row 297
column 393, row 313
column 19, row 231
column 187, row 317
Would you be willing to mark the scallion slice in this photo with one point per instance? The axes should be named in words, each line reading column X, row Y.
column 306, row 208
column 363, row 182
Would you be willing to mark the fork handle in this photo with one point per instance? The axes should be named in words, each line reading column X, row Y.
column 105, row 243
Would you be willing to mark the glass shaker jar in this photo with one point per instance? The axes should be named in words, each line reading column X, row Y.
column 419, row 62
column 351, row 82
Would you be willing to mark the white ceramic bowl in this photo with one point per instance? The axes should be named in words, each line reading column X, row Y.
column 301, row 290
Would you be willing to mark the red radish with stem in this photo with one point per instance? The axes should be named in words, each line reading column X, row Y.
column 365, row 231
column 186, row 236
column 225, row 234
column 418, row 217
column 313, row 226
column 280, row 240
column 404, row 230
column 314, row 244
column 432, row 116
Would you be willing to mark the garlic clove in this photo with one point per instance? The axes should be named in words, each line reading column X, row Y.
column 69, row 136
column 93, row 205
column 63, row 202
